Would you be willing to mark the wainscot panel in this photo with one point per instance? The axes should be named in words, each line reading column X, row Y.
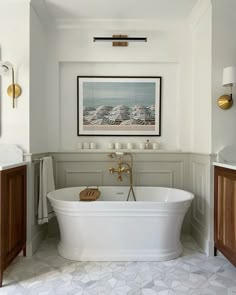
column 202, row 207
column 149, row 169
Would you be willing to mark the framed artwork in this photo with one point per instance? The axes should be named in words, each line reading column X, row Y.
column 119, row 106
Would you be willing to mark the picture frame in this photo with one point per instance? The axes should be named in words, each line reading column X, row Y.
column 119, row 105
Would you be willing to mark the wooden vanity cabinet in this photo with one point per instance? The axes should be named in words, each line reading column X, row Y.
column 12, row 215
column 225, row 212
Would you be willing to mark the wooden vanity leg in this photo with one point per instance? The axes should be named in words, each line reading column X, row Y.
column 215, row 251
column 24, row 251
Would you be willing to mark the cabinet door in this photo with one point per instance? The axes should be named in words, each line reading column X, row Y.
column 225, row 212
column 13, row 213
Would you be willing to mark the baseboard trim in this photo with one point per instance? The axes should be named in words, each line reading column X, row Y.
column 206, row 245
column 33, row 245
column 200, row 239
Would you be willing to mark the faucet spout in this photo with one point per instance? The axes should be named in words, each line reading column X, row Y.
column 119, row 178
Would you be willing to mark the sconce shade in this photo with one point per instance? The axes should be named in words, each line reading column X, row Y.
column 5, row 67
column 229, row 76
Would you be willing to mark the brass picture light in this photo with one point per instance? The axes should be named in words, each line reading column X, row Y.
column 225, row 102
column 120, row 40
column 13, row 90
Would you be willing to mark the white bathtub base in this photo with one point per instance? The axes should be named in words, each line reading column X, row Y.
column 112, row 229
column 118, row 255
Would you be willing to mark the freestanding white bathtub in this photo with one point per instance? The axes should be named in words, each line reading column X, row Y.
column 111, row 229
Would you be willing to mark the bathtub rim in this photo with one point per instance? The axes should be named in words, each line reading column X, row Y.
column 189, row 199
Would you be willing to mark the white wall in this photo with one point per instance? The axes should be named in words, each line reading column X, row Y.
column 14, row 46
column 68, row 96
column 38, row 103
column 167, row 53
column 201, row 20
column 223, row 55
column 73, row 53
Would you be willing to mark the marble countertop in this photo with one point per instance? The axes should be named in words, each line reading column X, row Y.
column 9, row 165
column 225, row 165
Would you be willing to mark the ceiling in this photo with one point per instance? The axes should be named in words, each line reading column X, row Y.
column 119, row 9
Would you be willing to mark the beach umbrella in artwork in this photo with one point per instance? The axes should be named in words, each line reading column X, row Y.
column 152, row 115
column 151, row 107
column 121, row 112
column 86, row 113
column 151, row 110
column 96, row 122
column 120, row 107
column 141, row 122
column 140, row 113
column 89, row 109
column 144, row 115
column 138, row 107
column 119, row 116
column 103, row 121
column 103, row 108
column 86, row 122
column 99, row 114
column 88, row 118
column 133, row 122
column 91, row 117
column 109, row 121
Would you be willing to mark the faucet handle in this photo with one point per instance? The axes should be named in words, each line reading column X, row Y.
column 111, row 170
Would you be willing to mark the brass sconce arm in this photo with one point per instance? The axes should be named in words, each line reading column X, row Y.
column 13, row 90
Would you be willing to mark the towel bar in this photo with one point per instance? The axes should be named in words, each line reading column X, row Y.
column 40, row 159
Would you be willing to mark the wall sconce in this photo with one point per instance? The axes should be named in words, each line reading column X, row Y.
column 225, row 102
column 14, row 90
column 119, row 40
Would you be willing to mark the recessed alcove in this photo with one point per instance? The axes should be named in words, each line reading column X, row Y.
column 187, row 46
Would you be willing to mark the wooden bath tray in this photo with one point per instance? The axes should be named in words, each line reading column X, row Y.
column 89, row 194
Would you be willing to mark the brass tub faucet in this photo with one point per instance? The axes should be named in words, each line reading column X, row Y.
column 123, row 167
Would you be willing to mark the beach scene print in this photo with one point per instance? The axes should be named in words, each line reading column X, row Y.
column 123, row 105
column 118, row 103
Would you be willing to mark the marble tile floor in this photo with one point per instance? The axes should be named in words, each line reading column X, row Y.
column 47, row 273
